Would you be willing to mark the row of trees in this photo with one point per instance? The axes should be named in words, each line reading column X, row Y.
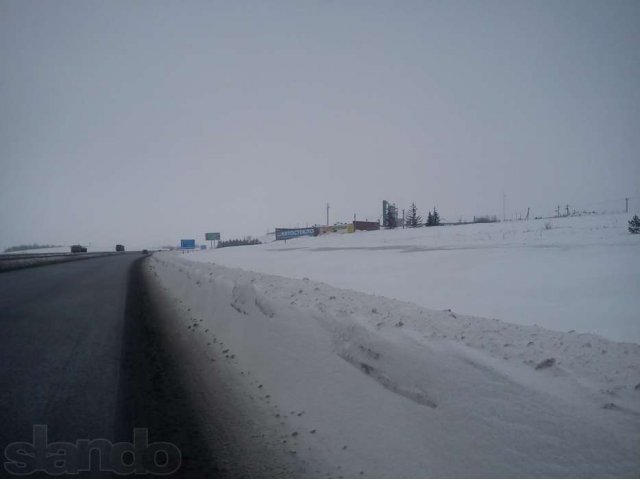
column 33, row 246
column 413, row 219
column 235, row 242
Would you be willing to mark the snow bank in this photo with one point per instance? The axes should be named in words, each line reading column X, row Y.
column 351, row 384
column 576, row 273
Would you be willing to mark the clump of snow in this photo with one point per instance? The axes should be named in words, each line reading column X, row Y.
column 580, row 274
column 354, row 384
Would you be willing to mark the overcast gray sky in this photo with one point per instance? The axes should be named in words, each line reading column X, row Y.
column 146, row 122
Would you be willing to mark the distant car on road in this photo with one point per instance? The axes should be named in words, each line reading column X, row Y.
column 119, row 248
column 145, row 252
column 78, row 249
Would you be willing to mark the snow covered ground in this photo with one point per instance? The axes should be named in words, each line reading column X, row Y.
column 576, row 273
column 345, row 383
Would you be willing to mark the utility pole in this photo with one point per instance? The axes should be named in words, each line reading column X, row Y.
column 528, row 213
column 567, row 210
column 403, row 218
column 626, row 206
column 504, row 200
column 327, row 214
column 558, row 211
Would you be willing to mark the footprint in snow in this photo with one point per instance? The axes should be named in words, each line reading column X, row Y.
column 549, row 362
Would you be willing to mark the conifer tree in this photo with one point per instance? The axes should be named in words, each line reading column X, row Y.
column 436, row 217
column 413, row 219
column 391, row 217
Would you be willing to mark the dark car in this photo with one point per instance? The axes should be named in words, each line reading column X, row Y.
column 78, row 249
column 145, row 252
column 119, row 248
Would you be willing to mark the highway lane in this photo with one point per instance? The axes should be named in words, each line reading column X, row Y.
column 79, row 353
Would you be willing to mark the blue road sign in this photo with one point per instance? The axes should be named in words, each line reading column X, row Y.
column 187, row 244
column 286, row 233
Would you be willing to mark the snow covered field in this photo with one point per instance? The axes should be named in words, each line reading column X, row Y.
column 357, row 358
column 335, row 382
column 576, row 273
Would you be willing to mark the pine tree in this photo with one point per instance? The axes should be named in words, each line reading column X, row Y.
column 413, row 219
column 429, row 220
column 391, row 217
column 634, row 224
column 436, row 217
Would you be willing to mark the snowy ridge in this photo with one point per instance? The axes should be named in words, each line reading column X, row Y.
column 371, row 380
column 578, row 274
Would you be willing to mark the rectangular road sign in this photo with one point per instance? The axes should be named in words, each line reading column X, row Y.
column 212, row 236
column 187, row 244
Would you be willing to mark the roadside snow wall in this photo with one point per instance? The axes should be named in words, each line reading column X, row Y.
column 340, row 383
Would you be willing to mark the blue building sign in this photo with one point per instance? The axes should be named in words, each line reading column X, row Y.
column 287, row 233
column 187, row 244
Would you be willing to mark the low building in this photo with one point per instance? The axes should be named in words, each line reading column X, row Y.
column 337, row 228
column 367, row 226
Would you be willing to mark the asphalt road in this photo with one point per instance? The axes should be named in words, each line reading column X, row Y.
column 81, row 354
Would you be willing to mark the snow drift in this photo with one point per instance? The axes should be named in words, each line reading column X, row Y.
column 342, row 383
